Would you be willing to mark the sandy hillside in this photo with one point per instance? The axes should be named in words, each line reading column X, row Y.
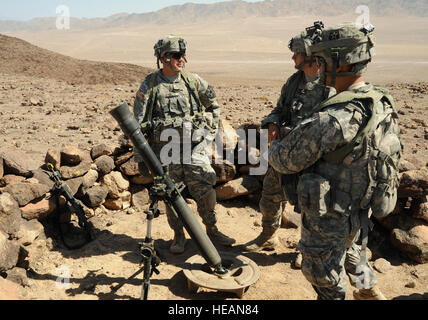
column 256, row 48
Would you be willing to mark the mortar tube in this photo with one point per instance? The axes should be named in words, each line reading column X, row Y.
column 131, row 128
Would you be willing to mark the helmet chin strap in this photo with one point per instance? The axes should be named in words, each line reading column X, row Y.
column 334, row 74
column 321, row 62
column 304, row 61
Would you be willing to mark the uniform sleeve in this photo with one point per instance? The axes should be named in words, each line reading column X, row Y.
column 140, row 102
column 208, row 99
column 276, row 114
column 313, row 138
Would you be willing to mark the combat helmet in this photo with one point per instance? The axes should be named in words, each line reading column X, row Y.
column 302, row 42
column 170, row 43
column 345, row 44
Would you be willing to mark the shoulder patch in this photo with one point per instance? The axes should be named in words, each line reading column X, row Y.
column 210, row 93
column 142, row 91
column 140, row 95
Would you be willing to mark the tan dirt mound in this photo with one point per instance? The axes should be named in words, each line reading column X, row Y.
column 21, row 57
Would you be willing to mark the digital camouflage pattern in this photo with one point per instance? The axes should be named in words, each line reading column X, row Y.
column 199, row 180
column 308, row 94
column 345, row 44
column 302, row 43
column 170, row 43
column 329, row 194
column 175, row 104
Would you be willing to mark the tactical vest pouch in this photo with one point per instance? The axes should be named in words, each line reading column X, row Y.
column 208, row 121
column 290, row 91
column 313, row 192
column 340, row 202
column 172, row 105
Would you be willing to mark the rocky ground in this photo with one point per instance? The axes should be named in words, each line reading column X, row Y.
column 41, row 114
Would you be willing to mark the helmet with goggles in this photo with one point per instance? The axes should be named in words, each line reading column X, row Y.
column 169, row 44
column 345, row 44
column 301, row 43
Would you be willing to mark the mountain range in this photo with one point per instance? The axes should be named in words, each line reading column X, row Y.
column 191, row 12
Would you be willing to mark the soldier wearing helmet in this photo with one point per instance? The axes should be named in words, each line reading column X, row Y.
column 173, row 98
column 345, row 157
column 171, row 45
column 298, row 96
column 345, row 51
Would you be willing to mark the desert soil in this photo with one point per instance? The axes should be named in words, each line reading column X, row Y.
column 37, row 114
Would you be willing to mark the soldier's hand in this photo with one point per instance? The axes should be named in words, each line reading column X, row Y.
column 273, row 132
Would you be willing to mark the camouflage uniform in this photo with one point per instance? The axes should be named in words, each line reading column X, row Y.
column 175, row 103
column 308, row 94
column 273, row 193
column 173, row 93
column 330, row 193
column 298, row 97
column 328, row 196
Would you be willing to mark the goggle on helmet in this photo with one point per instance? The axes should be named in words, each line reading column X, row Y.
column 345, row 44
column 169, row 44
column 302, row 42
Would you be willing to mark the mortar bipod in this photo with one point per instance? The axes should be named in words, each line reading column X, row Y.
column 147, row 249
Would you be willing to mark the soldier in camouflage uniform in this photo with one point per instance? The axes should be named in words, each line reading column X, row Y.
column 172, row 98
column 298, row 96
column 334, row 153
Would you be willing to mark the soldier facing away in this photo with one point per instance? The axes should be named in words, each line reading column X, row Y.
column 346, row 157
column 298, row 96
column 172, row 98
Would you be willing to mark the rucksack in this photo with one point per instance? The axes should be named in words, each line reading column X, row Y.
column 384, row 147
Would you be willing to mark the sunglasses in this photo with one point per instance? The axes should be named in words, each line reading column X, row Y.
column 177, row 55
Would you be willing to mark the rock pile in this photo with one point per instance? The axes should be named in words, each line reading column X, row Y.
column 106, row 178
column 408, row 224
column 100, row 178
column 233, row 176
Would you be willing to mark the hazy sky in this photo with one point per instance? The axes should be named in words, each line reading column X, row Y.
column 28, row 9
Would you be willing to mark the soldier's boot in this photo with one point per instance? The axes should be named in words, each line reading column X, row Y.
column 178, row 242
column 217, row 237
column 267, row 239
column 206, row 209
column 369, row 294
